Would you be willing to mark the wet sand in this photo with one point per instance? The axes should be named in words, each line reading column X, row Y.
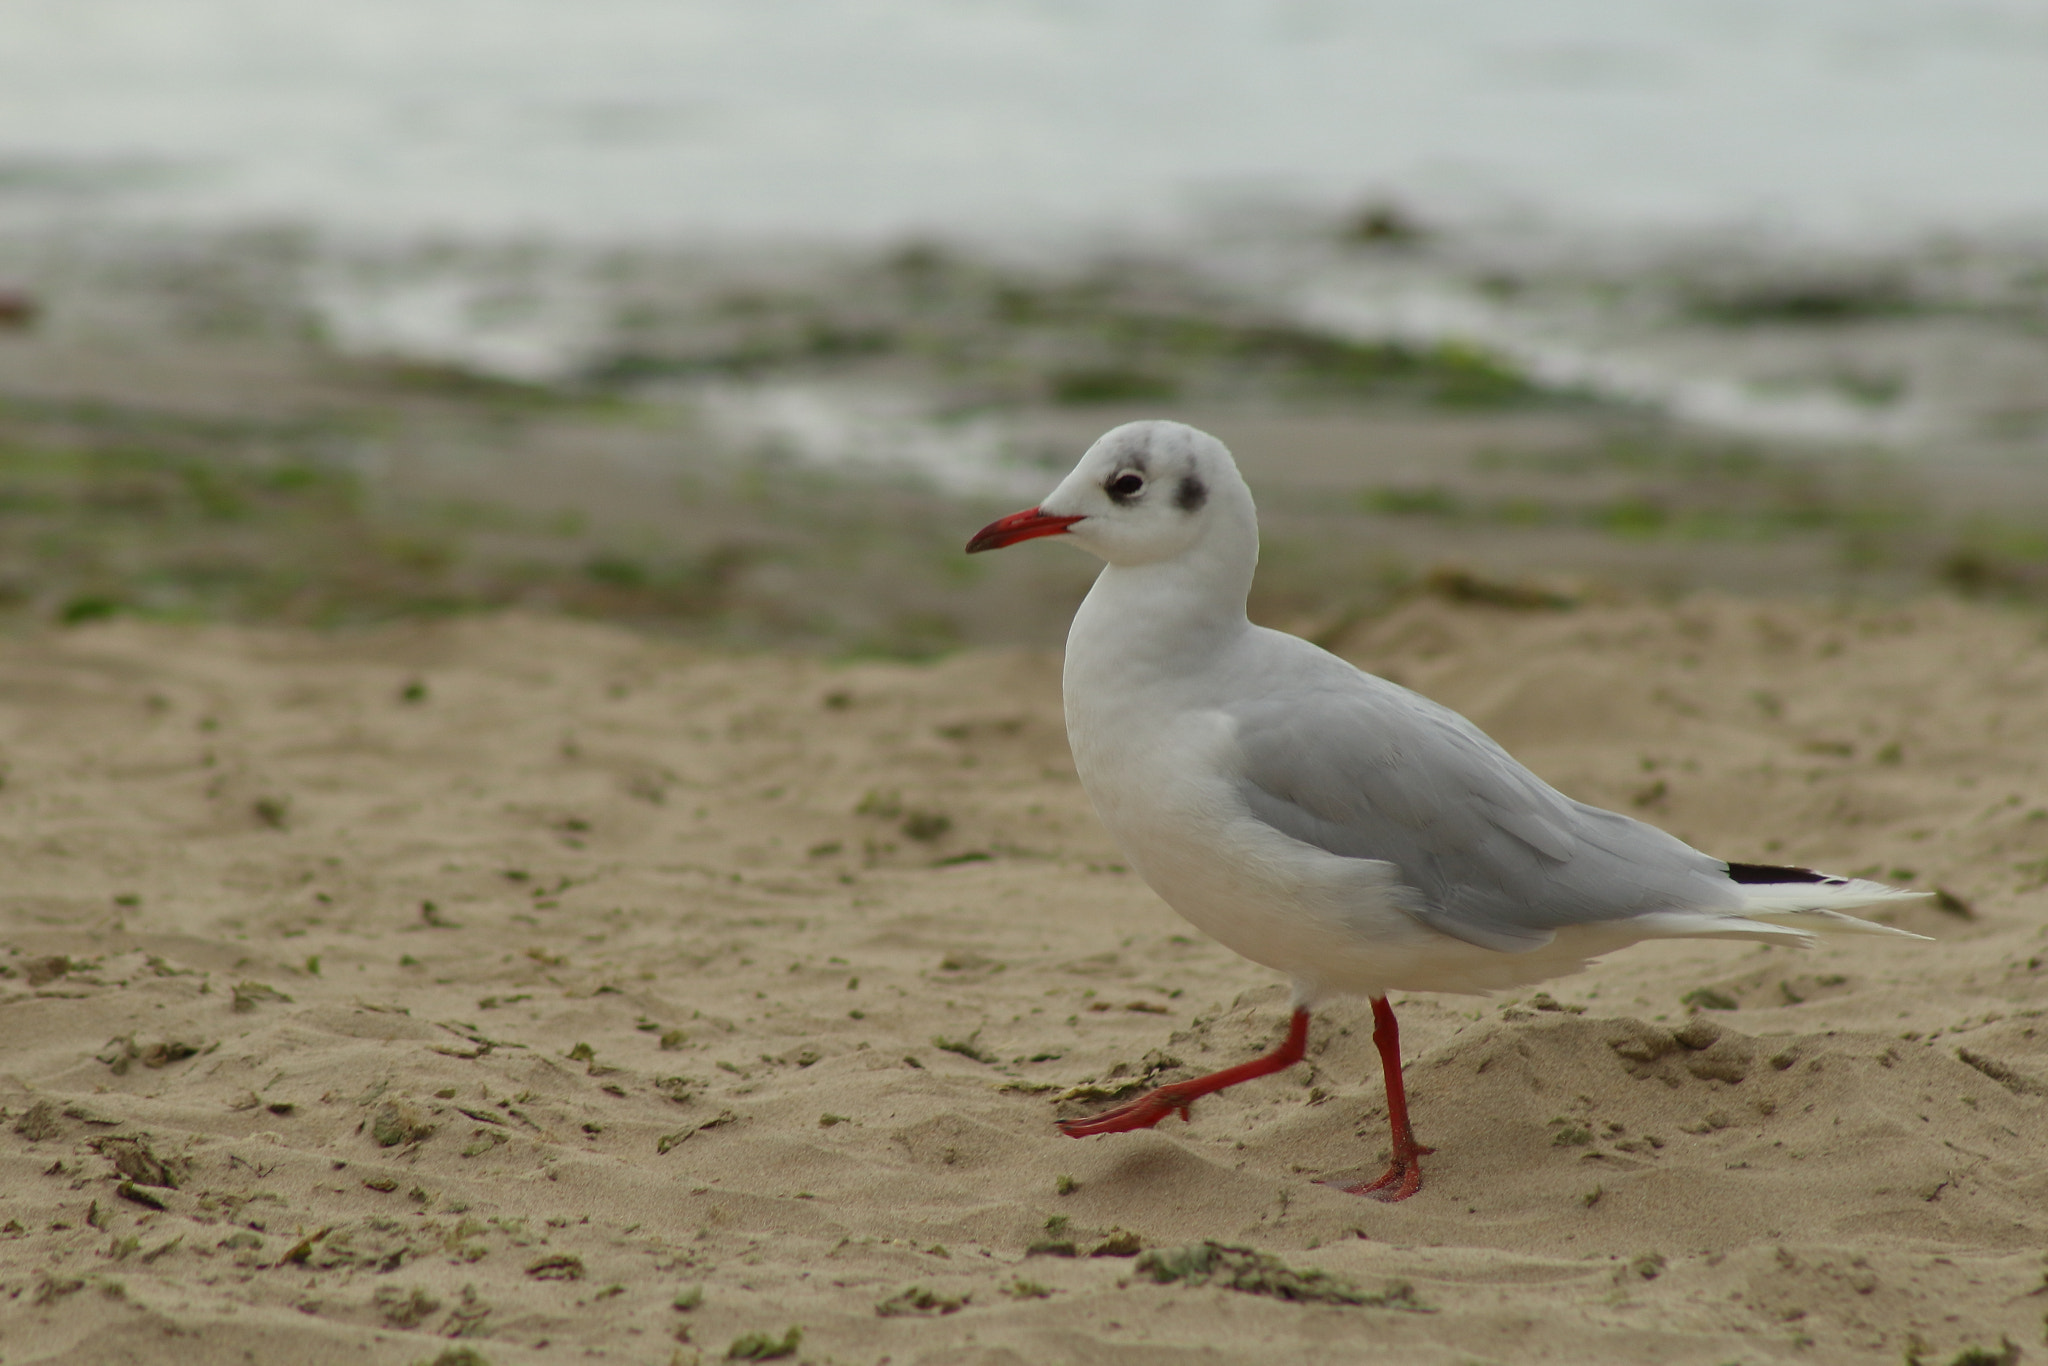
column 736, row 460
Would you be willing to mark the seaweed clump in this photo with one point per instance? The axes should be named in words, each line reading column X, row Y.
column 1257, row 1273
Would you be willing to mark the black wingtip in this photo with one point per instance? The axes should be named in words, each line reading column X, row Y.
column 1749, row 873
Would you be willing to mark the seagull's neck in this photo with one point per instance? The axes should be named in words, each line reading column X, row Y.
column 1161, row 621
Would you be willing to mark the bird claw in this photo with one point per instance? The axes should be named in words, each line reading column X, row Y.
column 1397, row 1185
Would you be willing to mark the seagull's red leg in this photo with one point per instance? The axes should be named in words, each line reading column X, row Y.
column 1404, row 1174
column 1148, row 1109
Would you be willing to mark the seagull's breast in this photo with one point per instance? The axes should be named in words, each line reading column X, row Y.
column 1158, row 778
column 1164, row 780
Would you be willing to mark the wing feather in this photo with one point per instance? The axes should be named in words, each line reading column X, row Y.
column 1364, row 768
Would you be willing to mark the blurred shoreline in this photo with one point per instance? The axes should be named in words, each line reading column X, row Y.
column 786, row 448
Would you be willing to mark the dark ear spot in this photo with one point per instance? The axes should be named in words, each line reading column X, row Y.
column 1191, row 494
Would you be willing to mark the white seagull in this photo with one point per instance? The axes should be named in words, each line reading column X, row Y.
column 1329, row 824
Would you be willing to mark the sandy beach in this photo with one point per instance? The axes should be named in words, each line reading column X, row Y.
column 528, row 841
column 549, row 992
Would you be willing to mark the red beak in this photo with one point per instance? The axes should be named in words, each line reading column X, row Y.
column 1018, row 526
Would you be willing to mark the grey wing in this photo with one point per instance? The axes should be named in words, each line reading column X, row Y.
column 1495, row 856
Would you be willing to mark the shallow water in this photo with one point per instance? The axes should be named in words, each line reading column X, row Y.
column 1813, row 221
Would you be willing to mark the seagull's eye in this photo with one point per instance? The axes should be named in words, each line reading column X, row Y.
column 1126, row 485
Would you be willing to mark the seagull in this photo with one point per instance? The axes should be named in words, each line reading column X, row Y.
column 1327, row 823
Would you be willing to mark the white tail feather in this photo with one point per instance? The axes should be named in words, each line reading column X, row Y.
column 1784, row 912
column 1817, row 907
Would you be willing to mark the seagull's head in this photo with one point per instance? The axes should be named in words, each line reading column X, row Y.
column 1145, row 492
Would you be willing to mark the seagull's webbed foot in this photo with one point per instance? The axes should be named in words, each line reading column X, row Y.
column 1142, row 1113
column 1402, row 1178
column 1148, row 1109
